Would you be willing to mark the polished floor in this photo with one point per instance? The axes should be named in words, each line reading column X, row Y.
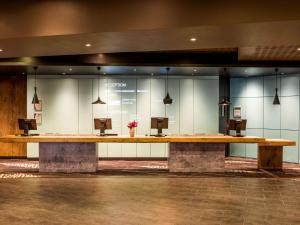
column 143, row 192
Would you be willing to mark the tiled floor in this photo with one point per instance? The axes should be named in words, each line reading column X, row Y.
column 143, row 192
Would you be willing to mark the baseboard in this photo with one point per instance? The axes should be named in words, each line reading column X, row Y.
column 121, row 158
column 13, row 157
column 135, row 159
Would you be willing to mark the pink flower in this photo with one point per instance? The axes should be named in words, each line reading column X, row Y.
column 132, row 124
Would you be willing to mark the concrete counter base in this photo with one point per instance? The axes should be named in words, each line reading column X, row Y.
column 197, row 157
column 68, row 157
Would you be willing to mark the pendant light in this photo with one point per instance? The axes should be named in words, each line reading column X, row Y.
column 276, row 98
column 167, row 100
column 35, row 99
column 98, row 101
column 225, row 101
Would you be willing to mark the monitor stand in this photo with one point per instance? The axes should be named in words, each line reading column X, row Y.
column 26, row 130
column 159, row 133
column 238, row 130
column 103, row 134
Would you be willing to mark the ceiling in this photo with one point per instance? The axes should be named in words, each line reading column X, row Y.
column 65, row 71
column 259, row 30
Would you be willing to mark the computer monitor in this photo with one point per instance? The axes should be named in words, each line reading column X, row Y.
column 26, row 125
column 238, row 126
column 159, row 123
column 102, row 124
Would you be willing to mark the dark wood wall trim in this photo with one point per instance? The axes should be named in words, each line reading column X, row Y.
column 13, row 105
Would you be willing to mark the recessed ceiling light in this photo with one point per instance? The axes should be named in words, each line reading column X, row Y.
column 1, row 50
column 195, row 70
column 298, row 49
column 23, row 73
column 193, row 39
column 88, row 45
column 70, row 69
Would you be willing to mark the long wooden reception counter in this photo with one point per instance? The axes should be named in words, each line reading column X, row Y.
column 187, row 153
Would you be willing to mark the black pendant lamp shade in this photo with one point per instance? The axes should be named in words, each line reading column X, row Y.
column 225, row 101
column 276, row 98
column 99, row 101
column 35, row 99
column 167, row 100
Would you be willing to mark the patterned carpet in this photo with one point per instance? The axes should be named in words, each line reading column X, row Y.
column 234, row 166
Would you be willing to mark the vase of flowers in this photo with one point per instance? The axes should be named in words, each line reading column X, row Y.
column 132, row 125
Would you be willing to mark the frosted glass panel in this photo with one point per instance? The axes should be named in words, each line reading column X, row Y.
column 129, row 112
column 85, row 117
column 157, row 109
column 173, row 110
column 290, row 113
column 289, row 85
column 291, row 154
column 205, row 110
column 254, row 112
column 270, row 85
column 238, row 150
column 115, row 87
column 60, row 105
column 143, row 115
column 238, row 87
column 186, row 106
column 68, row 108
column 272, row 133
column 255, row 87
column 271, row 114
column 279, row 121
column 251, row 149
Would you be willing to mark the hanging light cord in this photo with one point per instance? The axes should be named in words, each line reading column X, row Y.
column 276, row 77
column 167, row 86
column 99, row 68
column 35, row 68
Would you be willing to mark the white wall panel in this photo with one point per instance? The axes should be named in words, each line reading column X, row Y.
column 279, row 121
column 67, row 108
column 251, row 149
column 158, row 109
column 270, row 85
column 271, row 114
column 289, row 85
column 272, row 133
column 143, row 115
column 187, row 106
column 205, row 107
column 291, row 154
column 129, row 113
column 255, row 87
column 238, row 87
column 254, row 112
column 173, row 110
column 85, row 107
column 100, row 111
column 114, row 112
column 290, row 113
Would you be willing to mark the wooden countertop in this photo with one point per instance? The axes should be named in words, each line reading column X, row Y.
column 126, row 139
column 277, row 142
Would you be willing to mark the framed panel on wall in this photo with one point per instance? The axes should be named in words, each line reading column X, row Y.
column 237, row 112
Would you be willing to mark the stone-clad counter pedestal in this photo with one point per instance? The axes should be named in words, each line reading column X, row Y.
column 68, row 157
column 197, row 157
